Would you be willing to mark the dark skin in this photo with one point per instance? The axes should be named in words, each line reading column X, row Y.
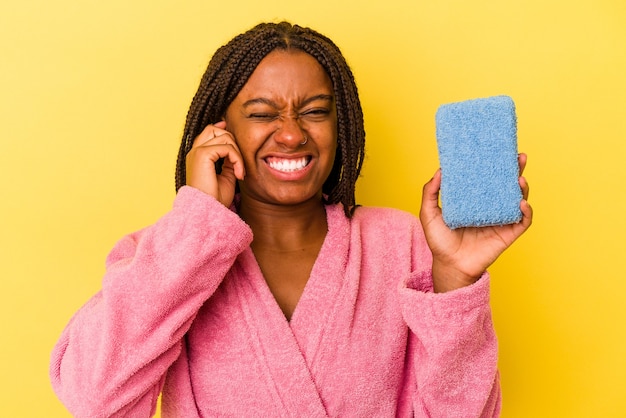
column 286, row 252
column 289, row 98
column 278, row 140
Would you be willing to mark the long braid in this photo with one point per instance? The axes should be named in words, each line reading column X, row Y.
column 233, row 64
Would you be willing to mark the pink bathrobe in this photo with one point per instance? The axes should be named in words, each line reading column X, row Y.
column 184, row 310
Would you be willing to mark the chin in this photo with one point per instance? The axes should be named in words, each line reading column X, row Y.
column 295, row 197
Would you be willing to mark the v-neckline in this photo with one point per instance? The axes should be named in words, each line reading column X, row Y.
column 315, row 306
column 287, row 351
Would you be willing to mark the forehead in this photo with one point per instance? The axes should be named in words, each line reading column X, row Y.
column 287, row 74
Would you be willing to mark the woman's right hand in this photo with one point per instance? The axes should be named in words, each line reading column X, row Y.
column 213, row 143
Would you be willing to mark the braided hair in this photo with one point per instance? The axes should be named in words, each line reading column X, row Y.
column 233, row 64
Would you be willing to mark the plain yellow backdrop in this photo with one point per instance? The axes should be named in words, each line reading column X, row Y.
column 93, row 97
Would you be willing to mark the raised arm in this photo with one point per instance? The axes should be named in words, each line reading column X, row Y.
column 462, row 255
column 453, row 346
column 453, row 349
column 113, row 355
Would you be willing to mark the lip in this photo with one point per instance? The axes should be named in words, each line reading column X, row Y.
column 291, row 162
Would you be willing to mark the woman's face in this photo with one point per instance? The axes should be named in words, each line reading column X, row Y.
column 288, row 99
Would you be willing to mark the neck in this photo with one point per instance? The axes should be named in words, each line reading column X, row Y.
column 285, row 228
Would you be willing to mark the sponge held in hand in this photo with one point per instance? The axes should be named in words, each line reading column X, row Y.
column 477, row 145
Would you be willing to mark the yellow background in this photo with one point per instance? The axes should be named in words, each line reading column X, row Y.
column 93, row 97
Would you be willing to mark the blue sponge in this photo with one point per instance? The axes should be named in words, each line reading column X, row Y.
column 477, row 144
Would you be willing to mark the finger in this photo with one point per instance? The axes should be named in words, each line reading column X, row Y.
column 524, row 186
column 521, row 160
column 431, row 189
column 215, row 136
column 234, row 161
column 527, row 214
column 212, row 152
column 214, row 133
column 430, row 198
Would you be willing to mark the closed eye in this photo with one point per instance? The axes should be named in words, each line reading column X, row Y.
column 317, row 114
column 263, row 116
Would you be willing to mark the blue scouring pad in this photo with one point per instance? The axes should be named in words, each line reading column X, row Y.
column 477, row 144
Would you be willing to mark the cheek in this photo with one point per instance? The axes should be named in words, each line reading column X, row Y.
column 332, row 144
column 333, row 148
column 332, row 155
column 328, row 134
column 247, row 140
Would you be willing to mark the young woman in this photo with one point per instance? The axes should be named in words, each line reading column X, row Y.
column 266, row 291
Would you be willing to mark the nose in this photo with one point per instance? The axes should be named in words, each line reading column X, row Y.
column 289, row 132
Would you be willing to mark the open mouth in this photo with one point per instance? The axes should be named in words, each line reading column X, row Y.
column 288, row 165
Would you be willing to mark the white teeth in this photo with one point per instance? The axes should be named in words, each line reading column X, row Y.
column 288, row 166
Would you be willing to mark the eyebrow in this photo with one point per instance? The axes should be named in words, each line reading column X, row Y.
column 262, row 100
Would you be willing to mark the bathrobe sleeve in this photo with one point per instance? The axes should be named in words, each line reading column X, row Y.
column 453, row 347
column 112, row 357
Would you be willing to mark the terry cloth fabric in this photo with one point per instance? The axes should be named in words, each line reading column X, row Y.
column 477, row 144
column 185, row 309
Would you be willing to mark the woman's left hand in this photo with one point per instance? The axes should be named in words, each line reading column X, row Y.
column 461, row 256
